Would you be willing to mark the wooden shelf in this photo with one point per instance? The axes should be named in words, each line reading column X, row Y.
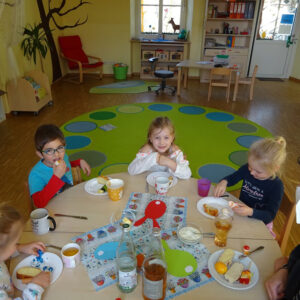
column 228, row 34
column 227, row 19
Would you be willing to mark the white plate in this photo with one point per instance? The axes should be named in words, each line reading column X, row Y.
column 235, row 285
column 151, row 177
column 50, row 260
column 93, row 186
column 218, row 203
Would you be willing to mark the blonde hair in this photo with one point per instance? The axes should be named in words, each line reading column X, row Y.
column 160, row 123
column 8, row 216
column 270, row 153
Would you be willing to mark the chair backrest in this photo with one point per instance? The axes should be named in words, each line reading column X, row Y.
column 76, row 173
column 220, row 71
column 288, row 209
column 71, row 47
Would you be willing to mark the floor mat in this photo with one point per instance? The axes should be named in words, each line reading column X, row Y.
column 124, row 87
column 215, row 142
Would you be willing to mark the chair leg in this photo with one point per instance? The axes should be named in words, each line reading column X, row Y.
column 251, row 91
column 209, row 92
column 228, row 93
column 101, row 72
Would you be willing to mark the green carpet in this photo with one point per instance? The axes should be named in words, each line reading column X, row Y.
column 123, row 87
column 215, row 142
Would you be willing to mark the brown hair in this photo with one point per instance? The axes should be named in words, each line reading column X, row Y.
column 160, row 123
column 8, row 216
column 47, row 133
column 270, row 152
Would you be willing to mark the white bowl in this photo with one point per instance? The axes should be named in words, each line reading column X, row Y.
column 189, row 233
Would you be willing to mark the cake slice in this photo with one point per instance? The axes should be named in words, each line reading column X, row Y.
column 27, row 272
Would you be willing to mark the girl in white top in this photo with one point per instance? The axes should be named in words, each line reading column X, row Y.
column 11, row 226
column 160, row 153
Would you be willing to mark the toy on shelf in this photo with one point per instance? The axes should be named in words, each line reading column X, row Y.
column 175, row 27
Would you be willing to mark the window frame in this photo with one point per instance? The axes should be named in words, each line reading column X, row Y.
column 140, row 34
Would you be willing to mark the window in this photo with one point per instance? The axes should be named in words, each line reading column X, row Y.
column 154, row 16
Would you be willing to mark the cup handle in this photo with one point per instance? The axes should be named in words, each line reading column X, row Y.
column 53, row 222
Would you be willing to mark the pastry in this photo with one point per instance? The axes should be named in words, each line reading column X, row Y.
column 102, row 179
column 210, row 210
column 27, row 272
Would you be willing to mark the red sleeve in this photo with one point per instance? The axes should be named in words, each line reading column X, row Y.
column 75, row 163
column 41, row 198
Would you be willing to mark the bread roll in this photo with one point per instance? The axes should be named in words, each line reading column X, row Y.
column 234, row 273
column 226, row 256
column 27, row 272
column 102, row 179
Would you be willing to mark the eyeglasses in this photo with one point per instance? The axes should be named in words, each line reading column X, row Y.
column 51, row 151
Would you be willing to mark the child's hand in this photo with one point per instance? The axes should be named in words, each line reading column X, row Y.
column 60, row 169
column 243, row 210
column 163, row 160
column 85, row 167
column 31, row 248
column 42, row 279
column 220, row 188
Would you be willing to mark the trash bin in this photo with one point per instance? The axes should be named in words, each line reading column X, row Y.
column 120, row 71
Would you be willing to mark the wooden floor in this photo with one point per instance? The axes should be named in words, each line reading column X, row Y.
column 276, row 106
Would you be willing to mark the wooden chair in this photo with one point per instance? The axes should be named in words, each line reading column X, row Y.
column 288, row 209
column 246, row 81
column 224, row 82
column 72, row 52
column 76, row 173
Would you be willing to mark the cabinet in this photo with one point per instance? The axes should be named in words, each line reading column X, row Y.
column 229, row 29
column 169, row 54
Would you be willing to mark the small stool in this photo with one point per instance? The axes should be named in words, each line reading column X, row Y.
column 163, row 74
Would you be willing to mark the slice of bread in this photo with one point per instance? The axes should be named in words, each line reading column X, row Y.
column 226, row 256
column 234, row 273
column 27, row 272
column 102, row 179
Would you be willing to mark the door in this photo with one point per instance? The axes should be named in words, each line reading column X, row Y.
column 274, row 46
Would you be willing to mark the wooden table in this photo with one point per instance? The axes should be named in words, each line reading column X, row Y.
column 75, row 283
column 185, row 65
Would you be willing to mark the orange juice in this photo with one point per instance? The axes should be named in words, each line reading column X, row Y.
column 222, row 229
column 70, row 251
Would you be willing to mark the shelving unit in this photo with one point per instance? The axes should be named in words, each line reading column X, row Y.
column 229, row 29
column 170, row 53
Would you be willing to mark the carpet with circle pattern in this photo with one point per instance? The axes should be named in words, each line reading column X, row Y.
column 215, row 142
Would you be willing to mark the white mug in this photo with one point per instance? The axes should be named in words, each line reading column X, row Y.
column 162, row 185
column 71, row 260
column 40, row 221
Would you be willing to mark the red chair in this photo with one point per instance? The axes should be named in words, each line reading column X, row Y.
column 71, row 50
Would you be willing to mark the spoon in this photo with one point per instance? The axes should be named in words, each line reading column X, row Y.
column 257, row 249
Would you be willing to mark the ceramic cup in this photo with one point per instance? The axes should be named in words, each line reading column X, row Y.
column 115, row 189
column 203, row 187
column 70, row 255
column 162, row 185
column 40, row 221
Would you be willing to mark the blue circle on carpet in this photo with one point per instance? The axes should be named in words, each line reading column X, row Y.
column 92, row 157
column 219, row 116
column 102, row 115
column 247, row 140
column 129, row 109
column 215, row 172
column 242, row 127
column 192, row 110
column 160, row 107
column 77, row 141
column 82, row 126
column 239, row 157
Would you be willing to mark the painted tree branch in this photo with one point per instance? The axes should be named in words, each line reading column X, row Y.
column 78, row 23
column 8, row 4
column 58, row 10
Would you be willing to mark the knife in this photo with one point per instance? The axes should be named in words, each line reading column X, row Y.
column 71, row 216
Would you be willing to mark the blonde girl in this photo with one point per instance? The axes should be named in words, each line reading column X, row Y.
column 262, row 190
column 160, row 153
column 11, row 226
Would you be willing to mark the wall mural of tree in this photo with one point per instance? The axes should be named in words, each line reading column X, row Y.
column 55, row 12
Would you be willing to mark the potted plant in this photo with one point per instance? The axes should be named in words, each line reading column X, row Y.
column 34, row 42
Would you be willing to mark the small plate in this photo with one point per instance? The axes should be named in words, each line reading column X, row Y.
column 93, row 186
column 151, row 178
column 50, row 261
column 235, row 285
column 218, row 203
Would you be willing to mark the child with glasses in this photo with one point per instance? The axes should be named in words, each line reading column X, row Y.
column 52, row 174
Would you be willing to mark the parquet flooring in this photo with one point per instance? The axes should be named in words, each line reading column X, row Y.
column 276, row 106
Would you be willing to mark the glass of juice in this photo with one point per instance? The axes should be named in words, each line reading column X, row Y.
column 223, row 223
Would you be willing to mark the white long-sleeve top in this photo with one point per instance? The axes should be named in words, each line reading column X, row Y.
column 31, row 292
column 148, row 162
